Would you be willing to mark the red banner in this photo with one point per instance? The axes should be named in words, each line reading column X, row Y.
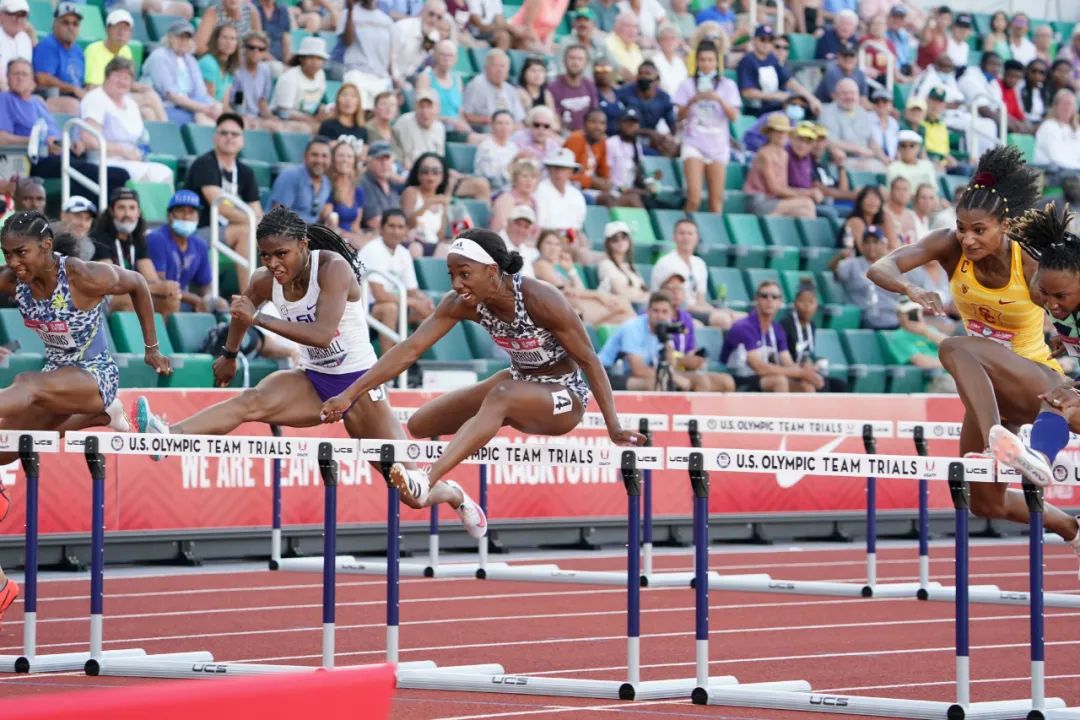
column 202, row 492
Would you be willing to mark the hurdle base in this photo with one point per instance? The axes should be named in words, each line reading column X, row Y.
column 552, row 574
column 665, row 689
column 130, row 666
column 59, row 662
column 1001, row 710
column 768, row 584
column 994, row 595
column 1072, row 713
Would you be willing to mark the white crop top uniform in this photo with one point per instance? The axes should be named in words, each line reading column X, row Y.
column 350, row 351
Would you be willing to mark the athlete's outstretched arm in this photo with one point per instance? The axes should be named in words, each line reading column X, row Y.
column 98, row 280
column 398, row 358
column 549, row 309
column 888, row 272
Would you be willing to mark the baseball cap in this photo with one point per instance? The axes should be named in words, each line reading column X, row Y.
column 822, row 131
column 615, row 227
column 523, row 212
column 806, row 130
column 898, row 10
column 77, row 204
column 874, row 231
column 764, row 31
column 380, row 148
column 631, row 114
column 68, row 8
column 580, row 13
column 963, row 20
column 937, row 93
column 181, row 27
column 122, row 193
column 119, row 15
column 846, row 48
column 878, row 95
column 916, row 103
column 15, row 6
column 906, row 136
column 184, row 198
column 428, row 95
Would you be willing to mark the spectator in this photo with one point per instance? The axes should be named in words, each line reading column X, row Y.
column 720, row 13
column 560, row 205
column 851, row 128
column 401, row 9
column 116, row 44
column 220, row 62
column 305, row 189
column 347, row 122
column 519, row 235
column 177, row 79
column 687, row 359
column 935, row 133
column 366, row 33
column 445, row 81
column 845, row 65
column 590, row 150
column 1060, row 78
column 1033, row 91
column 1057, row 141
column 381, row 126
column 323, row 15
column 237, row 14
column 901, row 39
column 956, row 42
column 869, row 212
column 119, row 238
column 637, row 345
column 885, row 131
column 756, row 350
column 908, row 164
column 606, row 97
column 801, row 333
column 387, row 254
column 795, row 107
column 573, row 94
column 555, row 265
column 532, row 85
column 380, row 194
column 346, row 196
column 415, row 37
column 1071, row 52
column 655, row 109
column 277, row 26
column 707, row 103
column 926, row 202
column 624, row 151
column 979, row 85
column 763, row 81
column 425, row 202
column 683, row 262
column 59, row 62
column 78, row 214
column 878, row 306
column 539, row 139
column 802, row 169
column 997, row 40
column 622, row 47
column 903, row 217
column 650, row 14
column 1021, row 49
column 1010, row 96
column 420, row 131
column 112, row 112
column 253, row 80
column 181, row 256
column 669, row 60
column 496, row 152
column 489, row 91
column 933, row 40
column 767, row 188
column 834, row 184
column 616, row 273
column 878, row 59
column 15, row 41
column 298, row 94
column 584, row 33
column 538, row 20
column 29, row 195
column 21, row 110
column 524, row 178
column 220, row 170
column 841, row 35
column 604, row 13
column 487, row 23
column 914, row 342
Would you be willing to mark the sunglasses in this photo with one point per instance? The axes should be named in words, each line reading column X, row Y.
column 541, row 126
column 769, row 296
column 781, row 46
column 255, row 48
column 431, row 170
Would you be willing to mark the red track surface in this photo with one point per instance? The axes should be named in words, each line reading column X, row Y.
column 890, row 648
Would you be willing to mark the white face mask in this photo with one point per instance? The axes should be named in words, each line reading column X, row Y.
column 125, row 227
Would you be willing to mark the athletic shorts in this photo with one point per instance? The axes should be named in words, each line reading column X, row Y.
column 573, row 382
column 689, row 150
column 102, row 368
column 327, row 385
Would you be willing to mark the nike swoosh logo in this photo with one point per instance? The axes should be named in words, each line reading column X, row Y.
column 1006, row 302
column 790, row 478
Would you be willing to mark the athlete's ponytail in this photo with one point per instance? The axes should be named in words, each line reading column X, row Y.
column 1044, row 235
column 1003, row 185
column 508, row 261
column 320, row 237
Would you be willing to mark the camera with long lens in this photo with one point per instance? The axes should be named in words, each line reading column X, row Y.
column 665, row 330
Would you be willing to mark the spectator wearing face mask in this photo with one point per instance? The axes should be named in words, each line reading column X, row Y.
column 181, row 256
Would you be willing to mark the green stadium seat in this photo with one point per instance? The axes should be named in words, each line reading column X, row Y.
column 431, row 274
column 594, row 337
column 188, row 331
column 816, row 232
column 596, row 217
column 13, row 329
column 712, row 339
column 481, row 344
column 664, row 223
column 464, row 61
column 452, row 347
column 827, row 345
column 715, row 246
column 92, row 27
column 734, row 177
column 842, row 316
column 729, row 286
column 791, row 280
column 830, row 288
column 641, row 230
column 782, row 235
column 734, row 201
column 802, row 46
column 189, row 369
column 19, row 362
column 517, row 61
column 478, row 210
column 1026, row 143
column 461, row 157
column 861, row 178
column 157, row 26
column 140, row 34
column 645, row 269
column 868, row 361
column 166, row 138
column 153, row 200
column 669, row 174
column 259, row 145
column 291, row 146
column 41, row 16
column 900, row 94
column 479, row 54
column 951, row 185
column 332, row 86
column 756, row 276
column 589, row 275
column 741, row 124
column 199, row 138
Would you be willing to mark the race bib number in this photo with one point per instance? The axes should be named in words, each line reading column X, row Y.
column 524, row 351
column 377, row 394
column 1072, row 346
column 562, row 402
column 55, row 333
column 978, row 329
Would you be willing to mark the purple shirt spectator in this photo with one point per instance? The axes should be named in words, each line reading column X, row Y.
column 706, row 128
column 685, row 342
column 17, row 116
column 745, row 336
column 800, row 171
column 572, row 103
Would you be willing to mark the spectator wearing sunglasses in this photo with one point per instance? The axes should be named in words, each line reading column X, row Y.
column 539, row 139
column 253, row 80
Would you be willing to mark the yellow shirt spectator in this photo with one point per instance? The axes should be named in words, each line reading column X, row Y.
column 935, row 138
column 97, row 57
column 624, row 55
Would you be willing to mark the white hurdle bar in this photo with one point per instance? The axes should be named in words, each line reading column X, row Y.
column 954, row 471
column 29, row 444
column 920, row 432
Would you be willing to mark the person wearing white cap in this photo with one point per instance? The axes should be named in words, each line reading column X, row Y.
column 78, row 214
column 560, row 205
column 616, row 272
column 910, row 162
column 184, row 92
column 15, row 42
column 298, row 95
column 519, row 236
column 117, row 44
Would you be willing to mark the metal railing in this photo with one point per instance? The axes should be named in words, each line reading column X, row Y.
column 218, row 247
column 752, row 12
column 403, row 313
column 890, row 65
column 67, row 172
column 985, row 100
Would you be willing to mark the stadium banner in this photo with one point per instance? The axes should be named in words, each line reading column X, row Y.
column 204, row 492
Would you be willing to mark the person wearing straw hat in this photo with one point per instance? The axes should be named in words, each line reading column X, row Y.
column 768, row 192
column 560, row 205
column 298, row 95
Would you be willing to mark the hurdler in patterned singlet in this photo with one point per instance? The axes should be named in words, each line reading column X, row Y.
column 530, row 347
column 72, row 337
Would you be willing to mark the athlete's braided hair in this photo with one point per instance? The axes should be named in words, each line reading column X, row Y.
column 1044, row 235
column 282, row 221
column 1003, row 185
column 28, row 223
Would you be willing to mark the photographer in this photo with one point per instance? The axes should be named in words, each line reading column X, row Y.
column 687, row 358
column 756, row 350
column 644, row 344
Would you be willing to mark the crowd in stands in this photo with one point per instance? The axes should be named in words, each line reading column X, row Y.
column 418, row 118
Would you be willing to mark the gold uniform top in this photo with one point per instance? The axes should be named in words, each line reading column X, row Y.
column 1004, row 315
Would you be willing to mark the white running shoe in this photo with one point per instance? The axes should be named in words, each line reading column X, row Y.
column 147, row 422
column 118, row 419
column 472, row 515
column 1010, row 450
column 412, row 483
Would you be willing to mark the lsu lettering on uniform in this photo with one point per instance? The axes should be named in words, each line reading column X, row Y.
column 1004, row 315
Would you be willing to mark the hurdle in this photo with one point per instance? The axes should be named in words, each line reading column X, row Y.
column 954, row 471
column 919, row 432
column 30, row 444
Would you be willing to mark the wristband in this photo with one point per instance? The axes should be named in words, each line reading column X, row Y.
column 151, row 347
column 229, row 354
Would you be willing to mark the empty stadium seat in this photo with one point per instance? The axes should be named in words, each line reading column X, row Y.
column 153, row 200
column 729, row 286
column 189, row 369
column 431, row 274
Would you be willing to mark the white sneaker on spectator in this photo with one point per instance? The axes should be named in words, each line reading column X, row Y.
column 472, row 515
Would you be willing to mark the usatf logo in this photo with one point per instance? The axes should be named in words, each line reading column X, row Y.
column 723, row 460
column 1061, row 473
column 117, row 443
column 605, row 455
column 930, row 467
column 939, row 430
column 413, row 451
column 711, row 423
column 302, row 448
